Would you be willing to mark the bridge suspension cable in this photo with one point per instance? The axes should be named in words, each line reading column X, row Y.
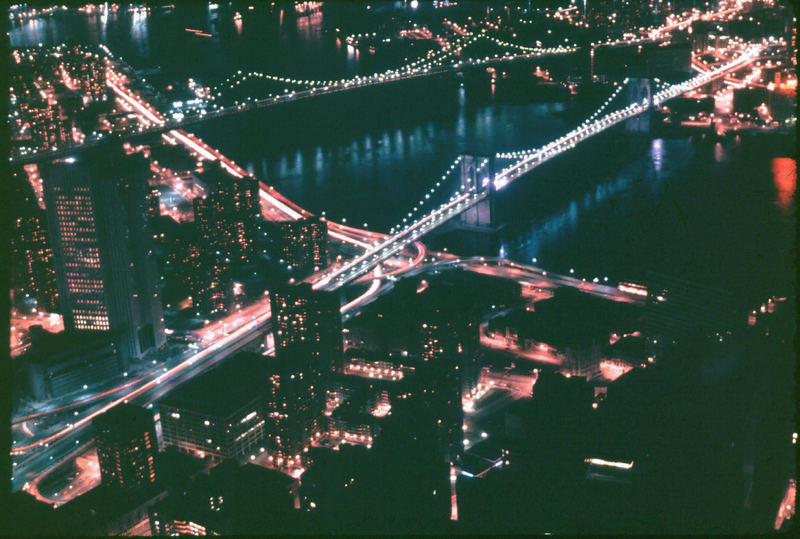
column 560, row 49
column 415, row 66
column 432, row 191
column 524, row 153
column 408, row 221
column 532, row 158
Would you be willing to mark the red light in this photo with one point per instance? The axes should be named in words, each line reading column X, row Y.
column 169, row 87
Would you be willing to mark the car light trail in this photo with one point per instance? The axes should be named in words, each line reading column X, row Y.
column 79, row 402
column 609, row 464
column 376, row 283
column 224, row 341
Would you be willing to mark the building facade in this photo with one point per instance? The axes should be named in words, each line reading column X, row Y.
column 304, row 244
column 61, row 363
column 311, row 319
column 104, row 264
column 219, row 414
column 439, row 375
column 307, row 326
column 125, row 438
column 227, row 217
column 32, row 270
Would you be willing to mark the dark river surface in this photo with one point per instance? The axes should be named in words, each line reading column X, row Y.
column 719, row 212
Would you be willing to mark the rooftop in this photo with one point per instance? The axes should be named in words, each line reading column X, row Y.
column 224, row 389
column 124, row 418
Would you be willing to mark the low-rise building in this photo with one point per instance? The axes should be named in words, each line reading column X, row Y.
column 60, row 363
column 218, row 414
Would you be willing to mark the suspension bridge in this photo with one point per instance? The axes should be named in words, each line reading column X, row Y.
column 473, row 193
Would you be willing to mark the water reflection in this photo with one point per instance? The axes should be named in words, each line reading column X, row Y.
column 719, row 152
column 310, row 25
column 784, row 174
column 298, row 163
column 139, row 31
column 283, row 167
column 657, row 153
column 550, row 230
column 319, row 160
column 29, row 34
column 103, row 23
column 352, row 57
column 461, row 123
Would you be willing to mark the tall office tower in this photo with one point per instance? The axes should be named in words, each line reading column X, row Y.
column 32, row 269
column 206, row 276
column 449, row 364
column 126, row 443
column 227, row 217
column 311, row 319
column 105, row 269
column 295, row 400
column 307, row 326
column 443, row 354
column 304, row 244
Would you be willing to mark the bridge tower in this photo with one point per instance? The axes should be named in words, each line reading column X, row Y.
column 639, row 90
column 477, row 171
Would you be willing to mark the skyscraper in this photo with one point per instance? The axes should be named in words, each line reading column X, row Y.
column 104, row 264
column 296, row 400
column 206, row 275
column 307, row 326
column 126, row 443
column 448, row 366
column 32, row 257
column 304, row 243
column 227, row 218
column 439, row 372
column 311, row 319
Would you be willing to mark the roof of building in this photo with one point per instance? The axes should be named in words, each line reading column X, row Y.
column 46, row 346
column 224, row 389
column 249, row 478
column 124, row 418
column 91, row 512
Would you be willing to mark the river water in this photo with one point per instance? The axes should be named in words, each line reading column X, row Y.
column 719, row 212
